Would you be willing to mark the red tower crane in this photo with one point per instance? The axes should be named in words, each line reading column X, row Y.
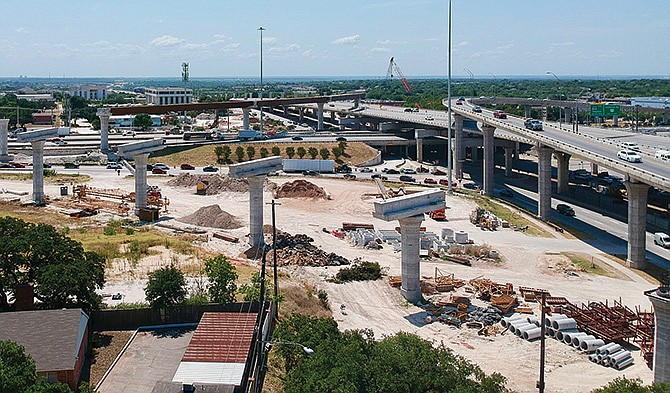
column 393, row 68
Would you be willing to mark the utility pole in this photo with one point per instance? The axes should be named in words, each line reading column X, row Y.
column 260, row 94
column 540, row 383
column 449, row 152
column 274, row 253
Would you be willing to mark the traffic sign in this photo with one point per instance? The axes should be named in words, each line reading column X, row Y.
column 596, row 110
column 604, row 110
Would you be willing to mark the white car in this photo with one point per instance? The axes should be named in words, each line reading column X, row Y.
column 429, row 118
column 408, row 171
column 162, row 166
column 630, row 146
column 366, row 170
column 629, row 155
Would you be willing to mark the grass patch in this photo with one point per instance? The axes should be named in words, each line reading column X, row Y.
column 515, row 219
column 588, row 266
column 651, row 273
column 38, row 215
column 53, row 178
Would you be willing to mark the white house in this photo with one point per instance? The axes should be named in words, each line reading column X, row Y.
column 89, row 92
column 169, row 96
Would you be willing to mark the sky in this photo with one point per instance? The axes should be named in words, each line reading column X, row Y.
column 341, row 38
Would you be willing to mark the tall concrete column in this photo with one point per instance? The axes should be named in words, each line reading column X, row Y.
column 4, row 125
column 665, row 117
column 489, row 164
column 332, row 116
column 104, row 114
column 319, row 127
column 140, row 182
column 660, row 298
column 545, row 113
column 459, row 149
column 357, row 102
column 527, row 110
column 594, row 169
column 637, row 224
column 509, row 160
column 38, row 172
column 256, row 211
column 419, row 149
column 285, row 109
column 563, row 165
column 409, row 238
column 475, row 153
column 245, row 118
column 301, row 114
column 544, row 183
column 615, row 120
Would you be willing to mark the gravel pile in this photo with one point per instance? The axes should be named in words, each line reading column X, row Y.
column 486, row 315
column 299, row 250
column 216, row 184
column 300, row 189
column 212, row 216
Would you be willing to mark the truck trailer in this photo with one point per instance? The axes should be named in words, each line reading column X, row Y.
column 300, row 165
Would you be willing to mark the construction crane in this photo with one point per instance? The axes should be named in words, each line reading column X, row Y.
column 393, row 68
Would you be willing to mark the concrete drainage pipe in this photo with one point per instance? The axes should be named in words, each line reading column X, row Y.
column 568, row 336
column 591, row 345
column 560, row 334
column 532, row 334
column 564, row 324
column 577, row 341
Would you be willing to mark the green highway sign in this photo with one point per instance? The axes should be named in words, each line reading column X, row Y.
column 596, row 110
column 604, row 110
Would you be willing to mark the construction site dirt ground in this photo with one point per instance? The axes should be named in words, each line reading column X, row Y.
column 525, row 261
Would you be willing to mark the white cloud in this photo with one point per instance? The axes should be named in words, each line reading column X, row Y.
column 431, row 39
column 195, row 46
column 307, row 53
column 166, row 40
column 159, row 21
column 566, row 43
column 380, row 49
column 352, row 39
column 230, row 47
column 219, row 39
column 269, row 40
column 389, row 42
column 463, row 43
column 285, row 48
column 22, row 30
column 610, row 53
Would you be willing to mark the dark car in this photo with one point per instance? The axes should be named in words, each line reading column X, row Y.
column 506, row 192
column 471, row 186
column 159, row 171
column 378, row 176
column 17, row 165
column 297, row 138
column 565, row 210
column 6, row 166
column 349, row 176
column 310, row 173
column 421, row 169
column 393, row 172
column 71, row 165
column 187, row 167
column 438, row 172
column 429, row 181
column 341, row 139
column 407, row 178
column 210, row 168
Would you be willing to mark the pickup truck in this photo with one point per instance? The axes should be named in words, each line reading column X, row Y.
column 499, row 114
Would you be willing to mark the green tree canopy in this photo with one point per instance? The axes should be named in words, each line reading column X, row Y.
column 313, row 152
column 166, row 287
column 276, row 151
column 324, row 153
column 17, row 369
column 61, row 272
column 301, row 151
column 625, row 385
column 143, row 121
column 251, row 152
column 239, row 153
column 264, row 152
column 290, row 151
column 222, row 277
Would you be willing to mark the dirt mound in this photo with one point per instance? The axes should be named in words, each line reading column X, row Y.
column 299, row 250
column 300, row 189
column 216, row 184
column 212, row 216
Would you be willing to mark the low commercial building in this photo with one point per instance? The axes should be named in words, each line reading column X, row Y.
column 121, row 121
column 169, row 96
column 55, row 339
column 89, row 92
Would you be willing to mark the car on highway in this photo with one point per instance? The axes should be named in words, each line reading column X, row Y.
column 630, row 146
column 438, row 172
column 60, row 143
column 162, row 166
column 210, row 168
column 349, row 176
column 297, row 138
column 408, row 171
column 365, row 170
column 471, row 186
column 498, row 114
column 408, row 179
column 505, row 192
column 408, row 110
column 477, row 109
column 421, row 169
column 17, row 165
column 428, row 180
column 71, row 165
column 459, row 102
column 186, row 167
column 114, row 165
column 5, row 166
column 393, row 172
column 445, row 182
column 341, row 139
column 429, row 118
column 565, row 210
column 629, row 155
column 662, row 239
column 378, row 176
column 159, row 171
column 533, row 124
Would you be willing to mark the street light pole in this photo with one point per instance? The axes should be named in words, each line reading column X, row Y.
column 260, row 95
column 495, row 87
column 449, row 152
column 560, row 116
column 472, row 80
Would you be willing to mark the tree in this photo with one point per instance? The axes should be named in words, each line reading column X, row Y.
column 276, row 151
column 17, row 369
column 337, row 152
column 95, row 124
column 239, row 153
column 264, row 152
column 252, row 291
column 290, row 151
column 226, row 152
column 61, row 272
column 625, row 385
column 301, row 152
column 251, row 152
column 313, row 152
column 222, row 277
column 166, row 287
column 142, row 121
column 324, row 153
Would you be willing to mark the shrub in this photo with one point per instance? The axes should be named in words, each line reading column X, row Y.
column 130, row 231
column 109, row 231
column 360, row 271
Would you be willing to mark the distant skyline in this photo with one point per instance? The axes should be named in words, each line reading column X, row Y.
column 95, row 38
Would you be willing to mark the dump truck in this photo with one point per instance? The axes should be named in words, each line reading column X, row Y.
column 438, row 215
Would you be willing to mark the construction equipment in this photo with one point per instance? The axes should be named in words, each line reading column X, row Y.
column 388, row 192
column 484, row 219
column 438, row 215
column 393, row 67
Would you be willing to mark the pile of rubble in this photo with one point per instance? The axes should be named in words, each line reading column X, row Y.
column 212, row 216
column 216, row 184
column 487, row 315
column 299, row 250
column 301, row 189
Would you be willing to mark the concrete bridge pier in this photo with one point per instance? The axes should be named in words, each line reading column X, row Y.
column 459, row 150
column 637, row 224
column 489, row 163
column 665, row 117
column 301, row 114
column 38, row 171
column 419, row 150
column 245, row 118
column 104, row 114
column 285, row 109
column 4, row 137
column 660, row 298
column 319, row 126
column 615, row 120
column 544, row 182
column 563, row 165
column 594, row 169
column 527, row 110
column 409, row 238
column 140, row 181
column 509, row 160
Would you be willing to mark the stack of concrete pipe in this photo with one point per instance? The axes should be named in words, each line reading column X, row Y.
column 612, row 355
